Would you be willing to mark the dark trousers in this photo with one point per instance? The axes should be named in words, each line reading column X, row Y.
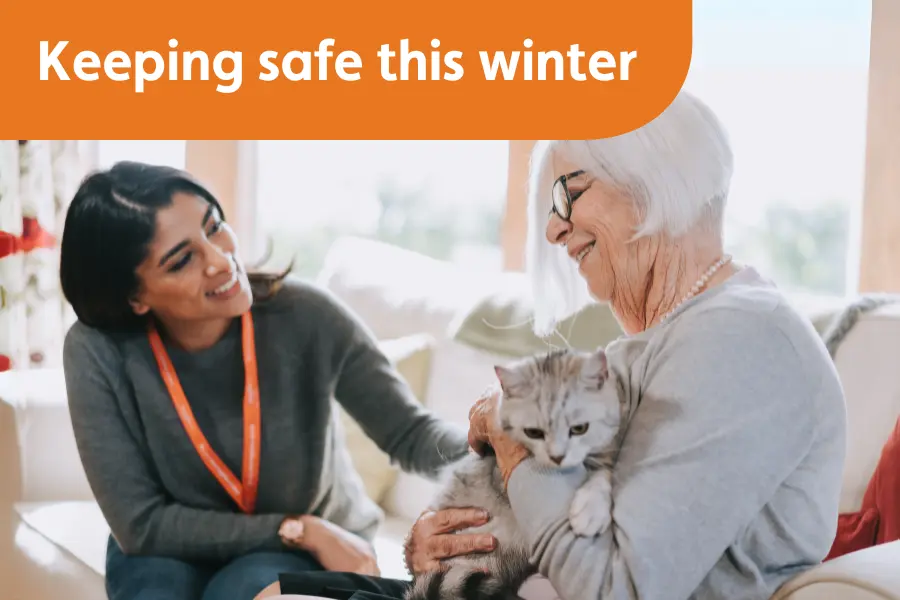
column 342, row 586
column 160, row 578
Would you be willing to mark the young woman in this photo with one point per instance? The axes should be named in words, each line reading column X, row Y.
column 200, row 396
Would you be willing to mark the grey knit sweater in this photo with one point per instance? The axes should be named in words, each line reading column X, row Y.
column 150, row 483
column 729, row 478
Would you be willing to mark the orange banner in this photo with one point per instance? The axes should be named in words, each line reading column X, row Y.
column 402, row 69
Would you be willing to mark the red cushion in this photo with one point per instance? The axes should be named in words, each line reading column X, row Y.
column 883, row 492
column 856, row 531
column 878, row 521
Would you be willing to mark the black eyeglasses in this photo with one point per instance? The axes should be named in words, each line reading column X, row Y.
column 562, row 198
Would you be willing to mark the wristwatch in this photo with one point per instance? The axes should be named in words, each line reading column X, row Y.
column 291, row 532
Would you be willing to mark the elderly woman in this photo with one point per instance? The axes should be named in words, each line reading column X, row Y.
column 728, row 479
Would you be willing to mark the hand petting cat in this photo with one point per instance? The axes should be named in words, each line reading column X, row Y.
column 433, row 538
column 484, row 430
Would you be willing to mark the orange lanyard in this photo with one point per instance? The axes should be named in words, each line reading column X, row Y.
column 244, row 495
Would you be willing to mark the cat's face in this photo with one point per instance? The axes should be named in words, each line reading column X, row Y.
column 559, row 406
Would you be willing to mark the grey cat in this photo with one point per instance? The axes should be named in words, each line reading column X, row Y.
column 561, row 407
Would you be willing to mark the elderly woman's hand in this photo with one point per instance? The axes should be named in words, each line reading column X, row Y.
column 484, row 430
column 433, row 538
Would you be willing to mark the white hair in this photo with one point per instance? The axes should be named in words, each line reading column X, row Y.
column 676, row 169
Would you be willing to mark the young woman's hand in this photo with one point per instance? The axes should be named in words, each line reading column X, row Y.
column 484, row 430
column 337, row 549
column 433, row 538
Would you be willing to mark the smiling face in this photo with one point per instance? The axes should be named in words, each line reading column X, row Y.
column 192, row 271
column 597, row 233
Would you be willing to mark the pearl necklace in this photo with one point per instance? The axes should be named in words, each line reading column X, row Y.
column 699, row 285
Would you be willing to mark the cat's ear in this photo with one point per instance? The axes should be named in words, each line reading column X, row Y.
column 595, row 367
column 510, row 380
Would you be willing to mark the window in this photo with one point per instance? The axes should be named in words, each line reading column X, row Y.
column 444, row 199
column 789, row 81
column 160, row 152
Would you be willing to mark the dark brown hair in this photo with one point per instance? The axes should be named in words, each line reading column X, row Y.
column 109, row 226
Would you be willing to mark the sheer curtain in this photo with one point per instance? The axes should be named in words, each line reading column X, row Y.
column 37, row 181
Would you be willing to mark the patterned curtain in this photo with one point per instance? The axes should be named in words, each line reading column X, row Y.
column 37, row 180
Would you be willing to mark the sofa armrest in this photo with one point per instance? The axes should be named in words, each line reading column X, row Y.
column 35, row 407
column 870, row 574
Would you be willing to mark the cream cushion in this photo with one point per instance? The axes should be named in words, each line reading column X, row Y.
column 398, row 293
column 870, row 574
column 411, row 356
column 499, row 322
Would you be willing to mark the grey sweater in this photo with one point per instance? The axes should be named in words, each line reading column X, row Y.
column 728, row 481
column 151, row 485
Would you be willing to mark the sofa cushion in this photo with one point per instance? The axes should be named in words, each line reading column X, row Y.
column 469, row 371
column 867, row 363
column 855, row 531
column 395, row 291
column 883, row 492
column 398, row 292
column 48, row 466
column 76, row 528
column 411, row 357
column 501, row 323
column 59, row 550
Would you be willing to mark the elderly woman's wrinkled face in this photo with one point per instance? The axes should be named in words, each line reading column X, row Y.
column 602, row 221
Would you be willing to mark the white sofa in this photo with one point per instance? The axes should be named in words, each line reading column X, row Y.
column 54, row 536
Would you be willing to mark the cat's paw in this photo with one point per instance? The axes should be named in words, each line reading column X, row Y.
column 590, row 512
